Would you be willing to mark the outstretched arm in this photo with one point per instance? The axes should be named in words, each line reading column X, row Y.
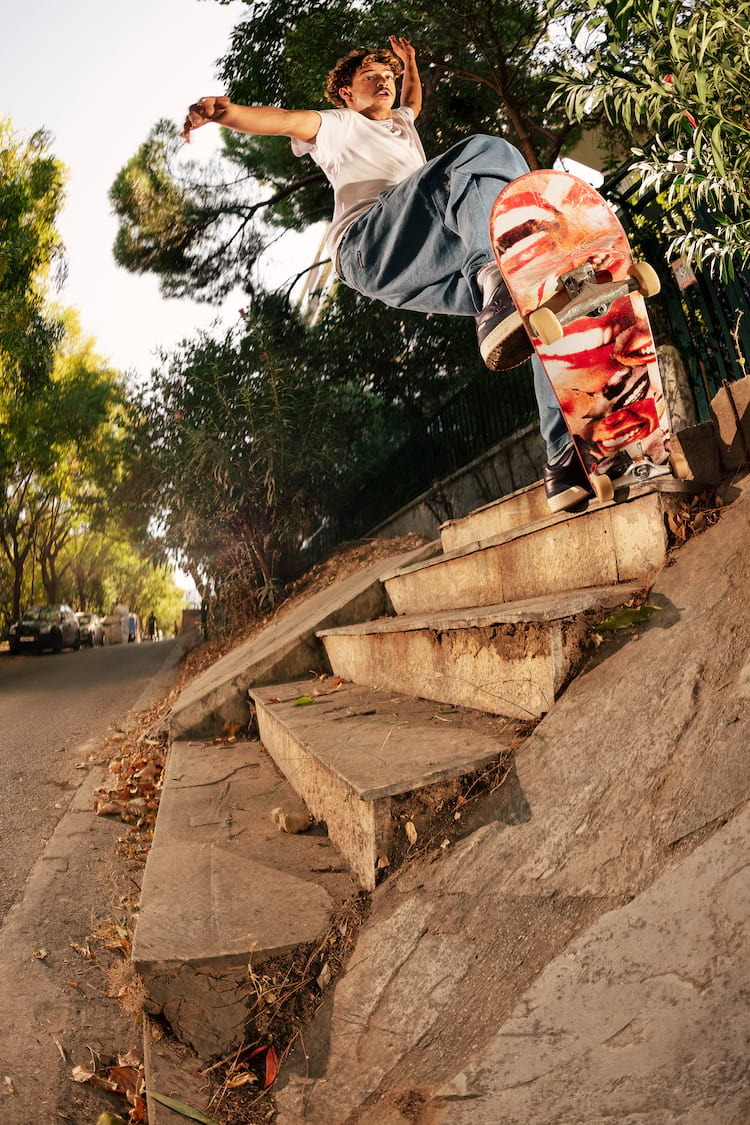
column 260, row 120
column 411, row 86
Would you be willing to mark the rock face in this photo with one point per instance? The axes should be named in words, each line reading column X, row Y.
column 584, row 955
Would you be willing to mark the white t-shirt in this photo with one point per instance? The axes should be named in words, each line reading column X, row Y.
column 361, row 158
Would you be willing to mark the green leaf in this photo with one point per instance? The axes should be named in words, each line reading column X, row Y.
column 303, row 701
column 183, row 1108
column 716, row 149
column 627, row 616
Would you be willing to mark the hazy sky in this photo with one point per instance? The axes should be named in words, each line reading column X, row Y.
column 98, row 75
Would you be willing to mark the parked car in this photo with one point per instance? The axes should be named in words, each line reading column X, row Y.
column 92, row 629
column 45, row 626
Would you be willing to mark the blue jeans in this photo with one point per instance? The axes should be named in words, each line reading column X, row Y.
column 420, row 246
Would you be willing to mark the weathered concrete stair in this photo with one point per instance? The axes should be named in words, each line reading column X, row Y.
column 350, row 751
column 604, row 545
column 472, row 633
column 511, row 659
column 284, row 649
column 223, row 886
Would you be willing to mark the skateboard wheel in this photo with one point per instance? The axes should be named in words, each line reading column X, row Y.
column 546, row 326
column 603, row 487
column 647, row 278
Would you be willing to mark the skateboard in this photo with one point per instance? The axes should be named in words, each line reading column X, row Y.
column 566, row 261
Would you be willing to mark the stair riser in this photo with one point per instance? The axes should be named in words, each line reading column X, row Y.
column 615, row 544
column 526, row 506
column 359, row 829
column 509, row 670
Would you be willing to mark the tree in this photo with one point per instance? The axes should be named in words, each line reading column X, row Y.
column 246, row 446
column 62, row 462
column 486, row 67
column 31, row 193
column 678, row 71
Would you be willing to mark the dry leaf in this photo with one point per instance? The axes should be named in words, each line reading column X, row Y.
column 109, row 808
column 271, row 1064
column 323, row 978
column 243, row 1079
column 272, row 1067
column 410, row 831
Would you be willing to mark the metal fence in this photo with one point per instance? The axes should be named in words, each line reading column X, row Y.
column 492, row 407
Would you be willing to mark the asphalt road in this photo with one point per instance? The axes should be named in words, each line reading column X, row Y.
column 63, row 876
column 54, row 711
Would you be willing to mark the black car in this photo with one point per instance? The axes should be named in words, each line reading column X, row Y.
column 45, row 626
column 92, row 629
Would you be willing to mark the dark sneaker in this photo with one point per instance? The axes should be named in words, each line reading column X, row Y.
column 503, row 341
column 565, row 481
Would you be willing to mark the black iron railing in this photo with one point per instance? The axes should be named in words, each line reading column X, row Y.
column 491, row 408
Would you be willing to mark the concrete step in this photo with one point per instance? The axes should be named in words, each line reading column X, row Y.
column 511, row 659
column 286, row 647
column 529, row 505
column 222, row 885
column 526, row 505
column 354, row 749
column 608, row 543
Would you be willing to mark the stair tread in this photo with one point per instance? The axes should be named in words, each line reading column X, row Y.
column 382, row 743
column 546, row 607
column 666, row 485
column 214, row 839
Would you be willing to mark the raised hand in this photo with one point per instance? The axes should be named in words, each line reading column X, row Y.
column 204, row 110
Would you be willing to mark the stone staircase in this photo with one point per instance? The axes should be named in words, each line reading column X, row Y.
column 469, row 641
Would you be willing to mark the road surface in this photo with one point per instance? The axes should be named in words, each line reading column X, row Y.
column 54, row 709
column 64, row 881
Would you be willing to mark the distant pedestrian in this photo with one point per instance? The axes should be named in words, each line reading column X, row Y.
column 151, row 627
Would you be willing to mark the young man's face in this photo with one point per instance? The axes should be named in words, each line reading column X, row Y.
column 372, row 91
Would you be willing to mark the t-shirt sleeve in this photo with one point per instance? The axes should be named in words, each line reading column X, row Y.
column 323, row 148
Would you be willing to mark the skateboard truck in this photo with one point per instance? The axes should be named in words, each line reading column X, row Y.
column 589, row 297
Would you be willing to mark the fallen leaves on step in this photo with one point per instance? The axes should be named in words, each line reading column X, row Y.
column 691, row 517
column 124, row 1077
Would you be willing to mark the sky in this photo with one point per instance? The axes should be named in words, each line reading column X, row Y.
column 97, row 75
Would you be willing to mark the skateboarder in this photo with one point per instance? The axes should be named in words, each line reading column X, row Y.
column 406, row 231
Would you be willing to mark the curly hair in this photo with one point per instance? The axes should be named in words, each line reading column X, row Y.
column 346, row 67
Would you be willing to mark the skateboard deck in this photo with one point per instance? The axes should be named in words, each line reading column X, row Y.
column 566, row 261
